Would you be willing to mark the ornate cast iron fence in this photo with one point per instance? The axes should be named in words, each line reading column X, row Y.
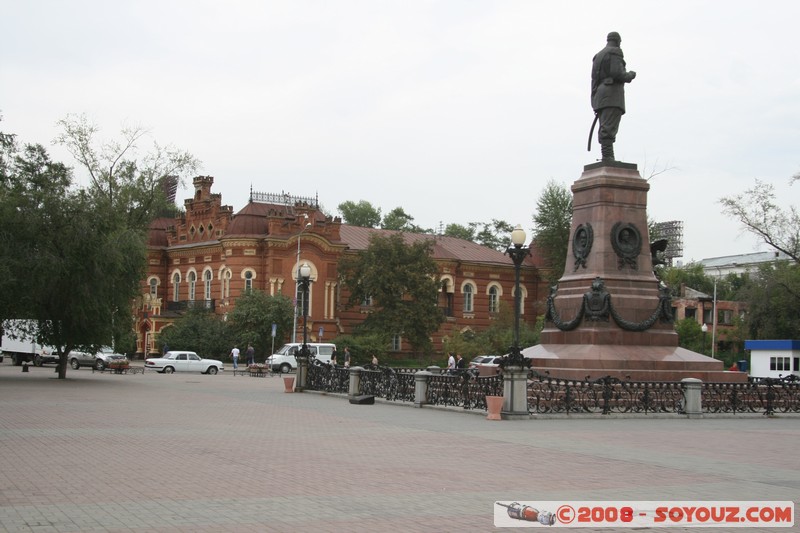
column 388, row 383
column 327, row 378
column 770, row 395
column 465, row 389
column 550, row 395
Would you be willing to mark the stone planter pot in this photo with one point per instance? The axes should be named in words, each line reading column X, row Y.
column 494, row 404
column 288, row 384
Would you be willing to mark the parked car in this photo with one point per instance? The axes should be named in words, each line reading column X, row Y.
column 182, row 361
column 284, row 359
column 489, row 365
column 98, row 361
column 477, row 360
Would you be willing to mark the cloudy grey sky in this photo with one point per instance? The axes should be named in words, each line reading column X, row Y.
column 456, row 110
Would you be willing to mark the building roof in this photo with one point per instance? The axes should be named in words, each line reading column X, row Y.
column 743, row 260
column 772, row 345
column 157, row 232
column 453, row 248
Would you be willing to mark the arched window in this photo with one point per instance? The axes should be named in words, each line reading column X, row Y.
column 248, row 281
column 494, row 299
column 192, row 278
column 469, row 294
column 154, row 286
column 225, row 286
column 523, row 293
column 207, row 284
column 176, row 284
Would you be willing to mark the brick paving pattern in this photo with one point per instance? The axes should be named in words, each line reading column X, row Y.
column 195, row 453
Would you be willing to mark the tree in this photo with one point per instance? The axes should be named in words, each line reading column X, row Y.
column 460, row 232
column 496, row 234
column 690, row 336
column 129, row 185
column 74, row 269
column 773, row 301
column 198, row 330
column 552, row 223
column 759, row 215
column 397, row 219
column 401, row 280
column 360, row 214
column 251, row 320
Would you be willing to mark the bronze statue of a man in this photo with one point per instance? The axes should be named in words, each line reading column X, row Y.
column 608, row 92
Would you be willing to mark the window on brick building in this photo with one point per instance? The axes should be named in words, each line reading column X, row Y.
column 225, row 289
column 207, row 284
column 397, row 343
column 494, row 299
column 469, row 293
column 725, row 316
column 176, row 286
column 153, row 286
column 248, row 281
column 192, row 278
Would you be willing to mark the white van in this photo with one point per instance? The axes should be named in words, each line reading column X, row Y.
column 285, row 361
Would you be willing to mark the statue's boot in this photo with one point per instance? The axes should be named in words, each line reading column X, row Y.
column 607, row 151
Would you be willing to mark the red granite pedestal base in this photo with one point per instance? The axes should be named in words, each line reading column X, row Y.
column 610, row 289
column 637, row 363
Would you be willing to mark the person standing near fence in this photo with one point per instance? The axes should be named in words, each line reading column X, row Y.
column 346, row 357
column 251, row 354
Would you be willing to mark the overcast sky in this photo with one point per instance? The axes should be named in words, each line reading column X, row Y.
column 456, row 110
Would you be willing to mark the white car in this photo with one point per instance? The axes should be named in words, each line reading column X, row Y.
column 180, row 361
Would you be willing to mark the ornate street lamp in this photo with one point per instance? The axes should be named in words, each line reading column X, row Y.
column 518, row 255
column 704, row 329
column 294, row 325
column 302, row 356
column 304, row 281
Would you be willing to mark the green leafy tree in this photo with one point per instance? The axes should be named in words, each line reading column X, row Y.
column 75, row 269
column 251, row 320
column 397, row 219
column 552, row 223
column 690, row 336
column 362, row 347
column 201, row 331
column 362, row 214
column 496, row 234
column 401, row 280
column 757, row 212
column 773, row 301
column 460, row 232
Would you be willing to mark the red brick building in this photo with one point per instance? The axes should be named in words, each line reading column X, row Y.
column 209, row 256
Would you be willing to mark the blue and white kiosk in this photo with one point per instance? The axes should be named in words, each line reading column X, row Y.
column 774, row 358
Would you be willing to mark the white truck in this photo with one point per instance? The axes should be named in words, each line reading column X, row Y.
column 22, row 348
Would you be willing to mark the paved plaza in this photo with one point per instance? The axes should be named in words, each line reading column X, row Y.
column 195, row 453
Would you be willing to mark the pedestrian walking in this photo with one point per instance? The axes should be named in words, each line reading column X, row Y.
column 451, row 363
column 346, row 357
column 235, row 356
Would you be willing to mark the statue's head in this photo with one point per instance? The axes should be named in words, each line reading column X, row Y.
column 614, row 36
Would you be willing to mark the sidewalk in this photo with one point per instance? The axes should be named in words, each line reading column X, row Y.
column 196, row 453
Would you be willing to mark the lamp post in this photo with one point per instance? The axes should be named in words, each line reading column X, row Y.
column 294, row 325
column 518, row 255
column 515, row 373
column 303, row 283
column 704, row 329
